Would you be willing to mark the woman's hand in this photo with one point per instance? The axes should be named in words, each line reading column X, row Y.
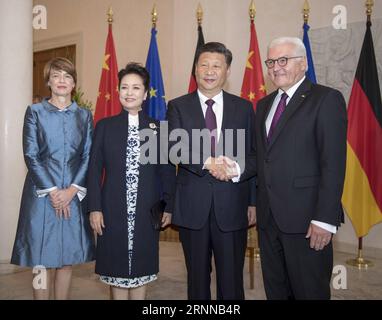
column 61, row 199
column 166, row 219
column 96, row 222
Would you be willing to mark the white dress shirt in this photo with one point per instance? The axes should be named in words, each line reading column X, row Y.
column 217, row 107
column 290, row 92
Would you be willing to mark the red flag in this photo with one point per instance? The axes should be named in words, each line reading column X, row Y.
column 108, row 99
column 362, row 196
column 193, row 86
column 253, row 88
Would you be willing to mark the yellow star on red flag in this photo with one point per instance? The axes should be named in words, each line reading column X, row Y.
column 105, row 59
column 249, row 65
column 251, row 96
column 108, row 103
column 253, row 87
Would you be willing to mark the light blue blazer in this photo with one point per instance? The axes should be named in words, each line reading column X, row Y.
column 56, row 148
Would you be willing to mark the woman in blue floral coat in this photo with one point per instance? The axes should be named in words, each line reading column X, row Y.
column 127, row 243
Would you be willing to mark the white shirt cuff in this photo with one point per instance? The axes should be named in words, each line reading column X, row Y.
column 44, row 192
column 81, row 194
column 326, row 226
column 237, row 179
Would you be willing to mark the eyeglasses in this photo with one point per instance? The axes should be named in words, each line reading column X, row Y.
column 282, row 61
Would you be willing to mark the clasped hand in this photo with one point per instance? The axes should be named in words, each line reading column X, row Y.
column 222, row 168
column 60, row 199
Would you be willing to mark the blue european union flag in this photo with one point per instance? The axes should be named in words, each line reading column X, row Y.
column 310, row 73
column 155, row 105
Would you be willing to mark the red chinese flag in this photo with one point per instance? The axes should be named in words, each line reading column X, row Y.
column 193, row 86
column 362, row 196
column 108, row 99
column 253, row 88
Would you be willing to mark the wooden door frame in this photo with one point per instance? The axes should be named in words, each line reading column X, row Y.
column 57, row 42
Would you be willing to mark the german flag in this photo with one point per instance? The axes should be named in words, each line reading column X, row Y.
column 362, row 197
column 193, row 86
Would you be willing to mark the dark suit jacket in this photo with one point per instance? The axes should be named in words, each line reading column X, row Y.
column 196, row 189
column 301, row 171
column 109, row 153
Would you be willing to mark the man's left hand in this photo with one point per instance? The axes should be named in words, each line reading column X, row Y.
column 319, row 237
column 223, row 169
column 166, row 219
column 251, row 216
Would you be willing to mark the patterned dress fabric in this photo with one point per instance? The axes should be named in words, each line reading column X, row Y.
column 132, row 180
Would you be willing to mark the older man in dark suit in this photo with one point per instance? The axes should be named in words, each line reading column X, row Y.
column 301, row 155
column 212, row 193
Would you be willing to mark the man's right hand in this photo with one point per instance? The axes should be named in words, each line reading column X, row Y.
column 96, row 222
column 221, row 168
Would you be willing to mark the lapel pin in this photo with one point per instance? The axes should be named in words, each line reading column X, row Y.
column 303, row 96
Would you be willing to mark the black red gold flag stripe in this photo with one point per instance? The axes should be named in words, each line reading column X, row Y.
column 362, row 197
column 193, row 86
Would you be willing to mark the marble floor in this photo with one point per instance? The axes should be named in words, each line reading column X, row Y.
column 171, row 284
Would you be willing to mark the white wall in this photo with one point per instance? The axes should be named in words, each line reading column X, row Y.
column 224, row 20
column 15, row 94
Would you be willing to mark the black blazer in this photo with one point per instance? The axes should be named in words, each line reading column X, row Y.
column 109, row 154
column 301, row 171
column 196, row 189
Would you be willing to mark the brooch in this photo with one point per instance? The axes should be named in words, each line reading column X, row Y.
column 153, row 126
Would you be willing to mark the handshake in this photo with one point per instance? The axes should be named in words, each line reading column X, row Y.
column 222, row 168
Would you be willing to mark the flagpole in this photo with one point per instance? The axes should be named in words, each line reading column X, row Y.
column 110, row 22
column 305, row 11
column 252, row 11
column 256, row 253
column 360, row 262
column 154, row 16
column 369, row 9
column 110, row 16
column 199, row 14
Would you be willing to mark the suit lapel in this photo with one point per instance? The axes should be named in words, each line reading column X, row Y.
column 145, row 123
column 228, row 119
column 121, row 127
column 228, row 111
column 263, row 117
column 195, row 114
column 293, row 105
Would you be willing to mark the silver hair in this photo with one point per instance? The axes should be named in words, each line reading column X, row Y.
column 300, row 49
column 299, row 45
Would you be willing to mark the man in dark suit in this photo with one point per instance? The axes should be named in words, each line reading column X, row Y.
column 212, row 191
column 301, row 155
